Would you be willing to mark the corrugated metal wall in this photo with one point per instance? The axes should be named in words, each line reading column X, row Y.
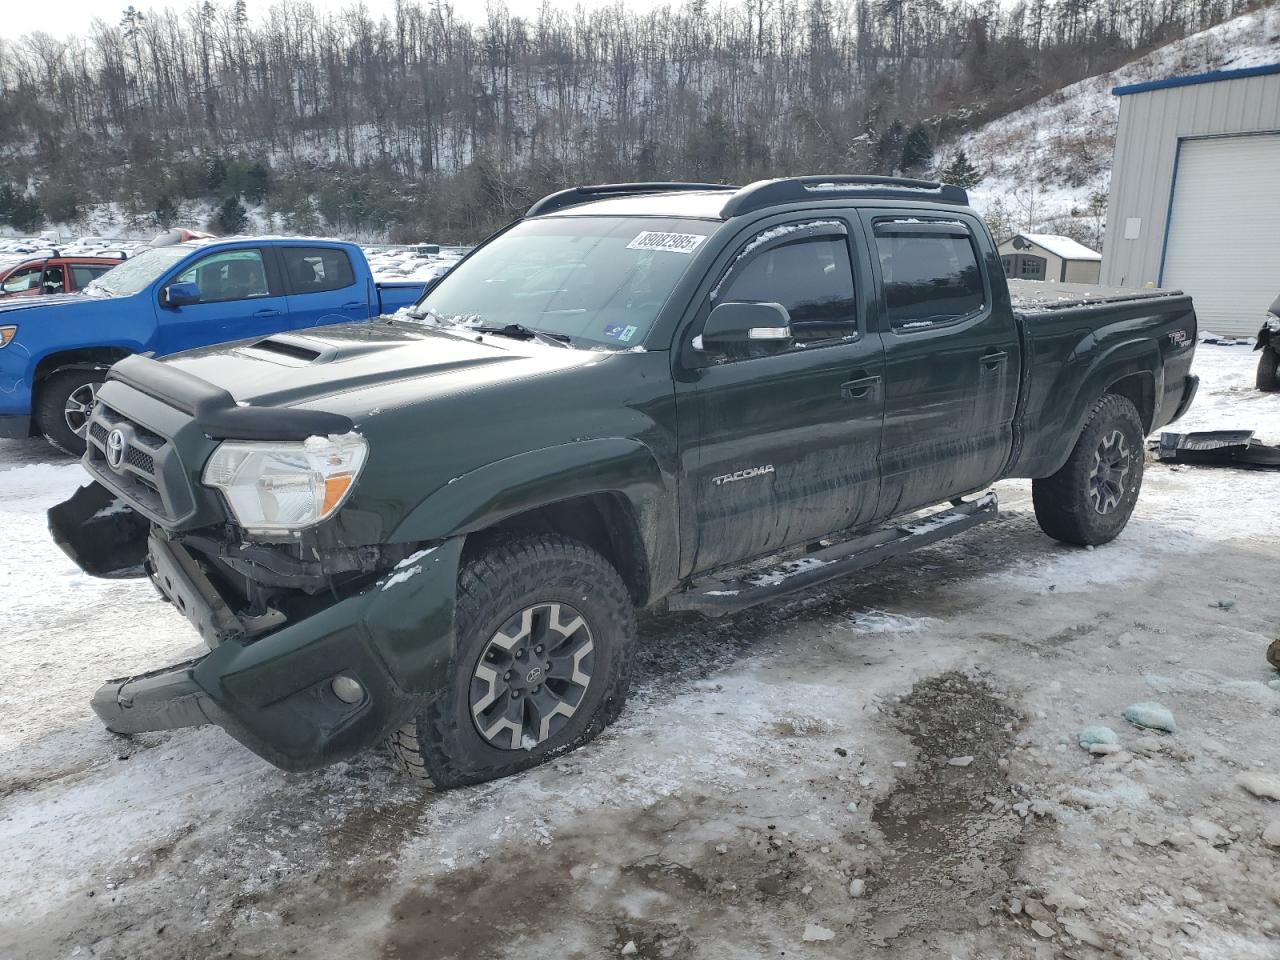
column 1151, row 125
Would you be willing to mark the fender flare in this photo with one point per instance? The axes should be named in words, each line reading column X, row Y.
column 506, row 488
column 1137, row 355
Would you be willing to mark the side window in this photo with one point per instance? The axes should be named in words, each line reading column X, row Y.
column 20, row 281
column 82, row 274
column 55, row 279
column 317, row 269
column 230, row 275
column 930, row 272
column 812, row 278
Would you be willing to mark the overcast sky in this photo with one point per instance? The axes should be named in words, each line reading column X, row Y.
column 70, row 17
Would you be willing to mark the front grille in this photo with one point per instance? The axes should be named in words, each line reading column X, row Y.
column 143, row 461
column 140, row 475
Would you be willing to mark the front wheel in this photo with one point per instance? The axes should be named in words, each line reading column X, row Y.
column 545, row 630
column 63, row 406
column 1268, row 379
column 1090, row 499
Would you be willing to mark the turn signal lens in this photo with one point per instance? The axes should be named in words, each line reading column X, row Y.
column 6, row 334
column 283, row 487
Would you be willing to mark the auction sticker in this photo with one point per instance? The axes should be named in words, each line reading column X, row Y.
column 684, row 243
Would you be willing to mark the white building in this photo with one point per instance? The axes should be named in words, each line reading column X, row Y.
column 1195, row 193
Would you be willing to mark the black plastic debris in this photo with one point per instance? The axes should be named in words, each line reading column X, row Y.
column 1218, row 448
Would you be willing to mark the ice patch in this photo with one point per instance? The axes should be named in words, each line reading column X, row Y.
column 882, row 621
column 1153, row 716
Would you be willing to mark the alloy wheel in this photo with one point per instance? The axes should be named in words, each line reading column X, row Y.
column 531, row 676
column 78, row 407
column 1111, row 465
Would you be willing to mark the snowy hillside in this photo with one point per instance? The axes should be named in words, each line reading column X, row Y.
column 1042, row 163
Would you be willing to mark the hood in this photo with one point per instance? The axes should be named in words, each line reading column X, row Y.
column 353, row 368
column 11, row 305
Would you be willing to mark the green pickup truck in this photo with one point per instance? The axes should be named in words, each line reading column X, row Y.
column 435, row 529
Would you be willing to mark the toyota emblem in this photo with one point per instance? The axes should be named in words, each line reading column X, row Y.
column 115, row 449
column 534, row 675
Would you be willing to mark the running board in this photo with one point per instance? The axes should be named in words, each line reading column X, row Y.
column 719, row 597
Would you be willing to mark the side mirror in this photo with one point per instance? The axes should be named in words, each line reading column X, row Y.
column 180, row 294
column 735, row 327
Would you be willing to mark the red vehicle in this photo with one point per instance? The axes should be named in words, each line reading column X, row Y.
column 52, row 273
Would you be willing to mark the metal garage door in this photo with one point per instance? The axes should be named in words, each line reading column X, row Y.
column 1224, row 234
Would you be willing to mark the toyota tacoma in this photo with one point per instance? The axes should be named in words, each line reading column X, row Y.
column 435, row 529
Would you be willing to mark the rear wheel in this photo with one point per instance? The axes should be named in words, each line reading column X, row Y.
column 63, row 406
column 1089, row 501
column 545, row 629
column 1268, row 370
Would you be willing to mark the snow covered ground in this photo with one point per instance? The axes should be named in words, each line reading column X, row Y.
column 794, row 779
column 1043, row 161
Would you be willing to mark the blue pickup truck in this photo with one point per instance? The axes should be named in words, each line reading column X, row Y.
column 55, row 350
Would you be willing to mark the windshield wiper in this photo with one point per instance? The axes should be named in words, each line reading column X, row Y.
column 521, row 332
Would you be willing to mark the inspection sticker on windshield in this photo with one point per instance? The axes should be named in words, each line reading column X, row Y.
column 620, row 331
column 684, row 243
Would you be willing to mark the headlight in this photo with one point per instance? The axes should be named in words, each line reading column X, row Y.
column 286, row 486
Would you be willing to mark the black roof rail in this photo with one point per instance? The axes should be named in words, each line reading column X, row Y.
column 771, row 193
column 576, row 195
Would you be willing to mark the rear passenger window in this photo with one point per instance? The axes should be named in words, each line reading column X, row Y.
column 930, row 272
column 812, row 278
column 84, row 274
column 317, row 269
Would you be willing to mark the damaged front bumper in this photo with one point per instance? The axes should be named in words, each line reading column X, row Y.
column 268, row 680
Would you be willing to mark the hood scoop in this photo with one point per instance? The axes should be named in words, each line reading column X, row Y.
column 289, row 350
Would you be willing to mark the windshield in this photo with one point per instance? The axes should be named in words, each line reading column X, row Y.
column 597, row 280
column 135, row 274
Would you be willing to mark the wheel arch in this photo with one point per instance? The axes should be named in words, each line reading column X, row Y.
column 1140, row 390
column 610, row 493
column 83, row 358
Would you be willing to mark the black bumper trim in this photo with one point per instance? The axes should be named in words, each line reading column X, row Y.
column 164, row 699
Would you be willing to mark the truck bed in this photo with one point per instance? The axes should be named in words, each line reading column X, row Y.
column 1038, row 296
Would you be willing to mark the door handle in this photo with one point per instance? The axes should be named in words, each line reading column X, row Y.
column 261, row 314
column 990, row 360
column 354, row 305
column 859, row 389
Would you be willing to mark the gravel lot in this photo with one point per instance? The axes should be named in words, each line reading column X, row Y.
column 789, row 782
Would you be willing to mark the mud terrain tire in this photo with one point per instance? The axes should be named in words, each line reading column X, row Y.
column 1268, row 380
column 1090, row 499
column 540, row 575
column 54, row 400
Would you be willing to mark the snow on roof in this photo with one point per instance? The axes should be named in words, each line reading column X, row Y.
column 1063, row 247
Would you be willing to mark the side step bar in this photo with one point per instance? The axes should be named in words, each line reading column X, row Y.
column 719, row 597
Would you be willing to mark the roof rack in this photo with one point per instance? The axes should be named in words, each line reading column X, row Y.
column 576, row 195
column 771, row 193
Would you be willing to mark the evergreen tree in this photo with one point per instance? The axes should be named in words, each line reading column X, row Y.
column 232, row 216
column 917, row 150
column 166, row 211
column 961, row 172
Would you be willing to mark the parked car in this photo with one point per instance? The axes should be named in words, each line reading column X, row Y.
column 1269, row 343
column 436, row 530
column 52, row 274
column 55, row 350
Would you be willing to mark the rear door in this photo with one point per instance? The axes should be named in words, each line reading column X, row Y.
column 951, row 358
column 82, row 274
column 782, row 447
column 240, row 297
column 322, row 286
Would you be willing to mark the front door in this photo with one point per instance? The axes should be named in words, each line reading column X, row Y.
column 951, row 359
column 322, row 287
column 240, row 297
column 784, row 442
